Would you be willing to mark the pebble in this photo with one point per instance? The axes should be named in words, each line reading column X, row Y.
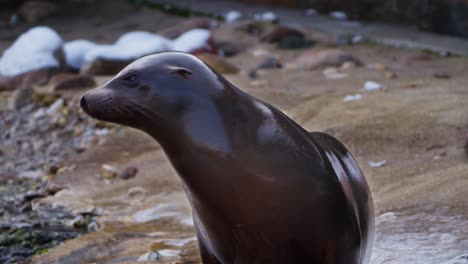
column 350, row 98
column 372, row 86
column 33, row 175
column 333, row 74
column 267, row 16
column 150, row 256
column 128, row 173
column 377, row 164
column 108, row 171
column 135, row 191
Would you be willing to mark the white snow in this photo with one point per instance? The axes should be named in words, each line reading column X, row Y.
column 192, row 40
column 33, row 50
column 232, row 16
column 129, row 46
column 75, row 51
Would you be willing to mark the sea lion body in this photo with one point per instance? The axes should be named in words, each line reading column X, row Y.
column 262, row 189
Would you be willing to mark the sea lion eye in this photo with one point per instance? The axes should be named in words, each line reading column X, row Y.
column 130, row 79
column 185, row 73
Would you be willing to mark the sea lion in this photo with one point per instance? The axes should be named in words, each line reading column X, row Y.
column 262, row 189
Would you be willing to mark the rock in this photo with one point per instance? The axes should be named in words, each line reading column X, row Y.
column 25, row 80
column 287, row 38
column 195, row 41
column 72, row 81
column 372, row 86
column 38, row 48
column 390, row 75
column 135, row 191
column 270, row 63
column 232, row 16
column 45, row 98
column 128, row 173
column 334, row 74
column 150, row 256
column 350, row 98
column 314, row 59
column 34, row 11
column 442, row 75
column 348, row 65
column 417, row 57
column 189, row 24
column 377, row 164
column 109, row 172
column 20, row 98
column 234, row 38
column 103, row 66
column 218, row 63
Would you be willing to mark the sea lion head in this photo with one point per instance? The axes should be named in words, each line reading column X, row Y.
column 155, row 91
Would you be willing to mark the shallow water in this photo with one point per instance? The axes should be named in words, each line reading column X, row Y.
column 421, row 237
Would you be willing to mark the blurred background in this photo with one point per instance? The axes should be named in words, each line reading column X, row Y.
column 388, row 78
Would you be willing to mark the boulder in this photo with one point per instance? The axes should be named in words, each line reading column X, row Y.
column 195, row 41
column 314, row 59
column 70, row 81
column 286, row 38
column 34, row 11
column 101, row 66
column 219, row 64
column 26, row 80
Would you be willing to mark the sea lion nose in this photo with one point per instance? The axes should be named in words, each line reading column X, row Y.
column 83, row 103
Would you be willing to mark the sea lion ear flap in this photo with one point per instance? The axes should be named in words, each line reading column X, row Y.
column 184, row 72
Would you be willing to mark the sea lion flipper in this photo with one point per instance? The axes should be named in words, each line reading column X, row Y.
column 353, row 184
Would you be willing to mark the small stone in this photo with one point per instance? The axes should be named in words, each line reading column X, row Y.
column 270, row 63
column 377, row 164
column 377, row 66
column 55, row 107
column 372, row 86
column 350, row 98
column 417, row 57
column 128, row 173
column 287, row 38
column 150, row 256
column 79, row 222
column 442, row 75
column 33, row 175
column 357, row 39
column 315, row 59
column 258, row 83
column 20, row 98
column 136, row 191
column 333, row 74
column 109, row 172
column 348, row 65
column 390, row 75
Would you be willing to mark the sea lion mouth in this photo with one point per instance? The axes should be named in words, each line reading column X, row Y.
column 106, row 107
